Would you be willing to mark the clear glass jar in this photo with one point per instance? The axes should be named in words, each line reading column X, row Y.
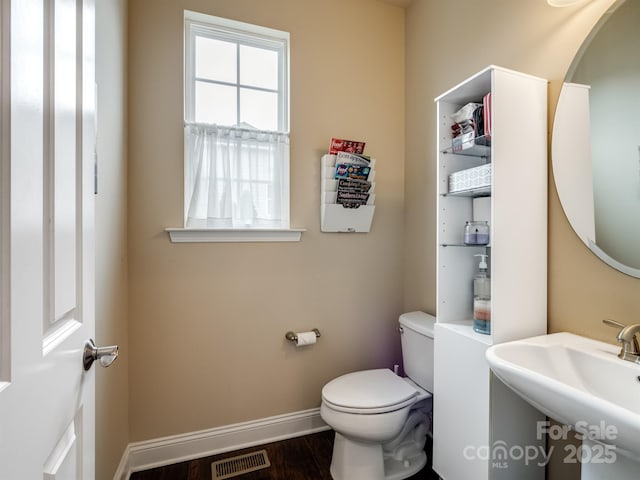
column 476, row 233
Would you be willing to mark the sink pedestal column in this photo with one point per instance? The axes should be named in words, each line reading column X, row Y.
column 603, row 461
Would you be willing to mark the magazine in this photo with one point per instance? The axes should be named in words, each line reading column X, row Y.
column 340, row 145
column 353, row 185
column 353, row 158
column 347, row 170
column 352, row 200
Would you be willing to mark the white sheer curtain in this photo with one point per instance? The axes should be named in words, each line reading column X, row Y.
column 236, row 177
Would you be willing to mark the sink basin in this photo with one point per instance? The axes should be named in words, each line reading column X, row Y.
column 576, row 381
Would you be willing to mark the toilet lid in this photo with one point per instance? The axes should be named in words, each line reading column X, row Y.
column 368, row 389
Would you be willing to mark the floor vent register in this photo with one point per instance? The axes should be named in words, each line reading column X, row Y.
column 234, row 466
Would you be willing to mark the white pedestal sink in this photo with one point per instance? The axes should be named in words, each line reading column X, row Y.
column 582, row 383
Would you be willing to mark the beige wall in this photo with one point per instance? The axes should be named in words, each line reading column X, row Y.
column 446, row 43
column 112, row 429
column 528, row 36
column 207, row 321
column 532, row 37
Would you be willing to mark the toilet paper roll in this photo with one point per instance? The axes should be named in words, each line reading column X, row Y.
column 305, row 338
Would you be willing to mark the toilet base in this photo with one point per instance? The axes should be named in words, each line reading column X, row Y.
column 398, row 470
column 353, row 460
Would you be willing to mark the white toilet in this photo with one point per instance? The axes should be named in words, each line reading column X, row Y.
column 382, row 420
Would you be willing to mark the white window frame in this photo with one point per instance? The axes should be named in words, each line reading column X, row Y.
column 199, row 24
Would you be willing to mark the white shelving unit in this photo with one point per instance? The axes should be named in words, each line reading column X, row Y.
column 474, row 412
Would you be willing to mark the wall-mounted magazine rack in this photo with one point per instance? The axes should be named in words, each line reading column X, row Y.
column 340, row 217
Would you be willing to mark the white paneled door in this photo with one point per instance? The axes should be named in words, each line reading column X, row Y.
column 47, row 139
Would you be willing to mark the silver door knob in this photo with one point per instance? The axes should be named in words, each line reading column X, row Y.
column 105, row 355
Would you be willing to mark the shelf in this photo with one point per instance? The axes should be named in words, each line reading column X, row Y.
column 518, row 225
column 472, row 192
column 466, row 328
column 471, row 150
column 488, row 245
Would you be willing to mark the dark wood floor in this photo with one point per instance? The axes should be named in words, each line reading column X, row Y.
column 301, row 458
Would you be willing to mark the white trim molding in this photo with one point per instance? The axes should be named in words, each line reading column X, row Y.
column 188, row 446
column 205, row 235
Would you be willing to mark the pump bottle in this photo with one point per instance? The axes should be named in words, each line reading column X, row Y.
column 482, row 298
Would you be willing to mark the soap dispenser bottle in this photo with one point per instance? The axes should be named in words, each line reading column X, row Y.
column 482, row 298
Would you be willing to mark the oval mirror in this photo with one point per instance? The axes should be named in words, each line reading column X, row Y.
column 596, row 139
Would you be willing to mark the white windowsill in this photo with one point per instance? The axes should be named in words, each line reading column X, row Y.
column 204, row 235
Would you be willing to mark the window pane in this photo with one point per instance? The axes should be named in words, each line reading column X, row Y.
column 216, row 60
column 215, row 104
column 259, row 109
column 258, row 67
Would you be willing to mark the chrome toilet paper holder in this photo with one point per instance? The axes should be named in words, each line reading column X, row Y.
column 293, row 337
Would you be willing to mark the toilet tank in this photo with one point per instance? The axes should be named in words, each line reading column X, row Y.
column 417, row 347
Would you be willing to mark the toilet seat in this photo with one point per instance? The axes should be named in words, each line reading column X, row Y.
column 368, row 392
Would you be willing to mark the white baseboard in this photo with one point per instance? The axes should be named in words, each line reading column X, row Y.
column 179, row 448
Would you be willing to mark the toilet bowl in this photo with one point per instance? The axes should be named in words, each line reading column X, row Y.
column 381, row 420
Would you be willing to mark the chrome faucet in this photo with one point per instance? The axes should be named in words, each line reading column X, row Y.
column 629, row 340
